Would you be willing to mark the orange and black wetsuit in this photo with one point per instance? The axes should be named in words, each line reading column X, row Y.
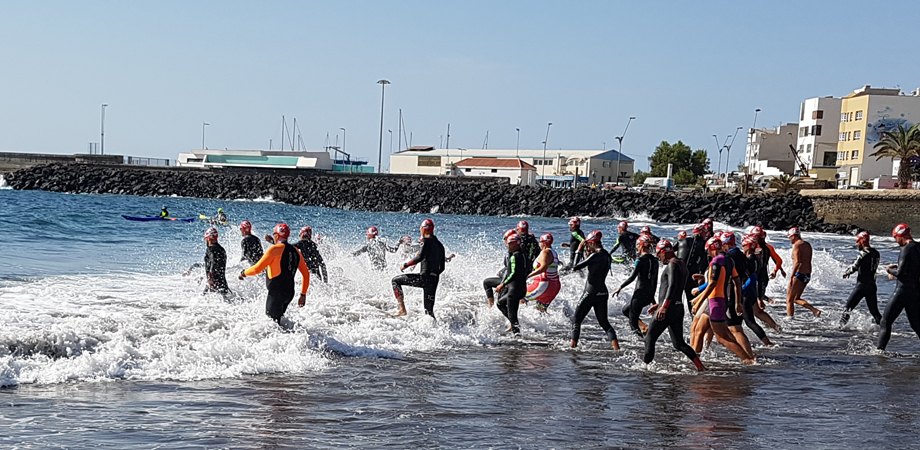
column 282, row 260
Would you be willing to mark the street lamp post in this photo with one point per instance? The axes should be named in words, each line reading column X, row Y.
column 620, row 151
column 728, row 153
column 753, row 127
column 102, row 131
column 203, row 124
column 543, row 161
column 343, row 149
column 517, row 146
column 391, row 141
column 383, row 85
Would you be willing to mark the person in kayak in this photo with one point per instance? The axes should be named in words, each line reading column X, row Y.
column 220, row 218
column 595, row 294
column 311, row 255
column 544, row 284
column 529, row 244
column 215, row 264
column 489, row 284
column 283, row 261
column 514, row 286
column 252, row 247
column 576, row 242
column 906, row 296
column 164, row 213
column 668, row 313
column 865, row 267
column 431, row 261
column 645, row 270
column 627, row 239
column 376, row 249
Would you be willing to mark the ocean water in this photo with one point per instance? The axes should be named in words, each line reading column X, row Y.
column 104, row 343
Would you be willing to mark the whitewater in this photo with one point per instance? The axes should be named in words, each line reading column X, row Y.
column 104, row 341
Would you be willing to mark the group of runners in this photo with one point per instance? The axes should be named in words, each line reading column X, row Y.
column 721, row 279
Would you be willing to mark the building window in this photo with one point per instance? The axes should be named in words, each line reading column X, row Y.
column 854, row 154
column 808, row 149
column 543, row 162
column 801, row 148
column 843, row 117
column 816, row 130
column 494, row 170
column 817, row 114
column 429, row 161
column 849, row 135
column 841, row 156
column 803, row 131
column 858, row 115
column 842, row 137
column 469, row 170
column 857, row 134
column 802, row 113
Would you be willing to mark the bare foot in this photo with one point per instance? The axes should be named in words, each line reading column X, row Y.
column 748, row 361
column 817, row 313
column 643, row 327
column 491, row 302
column 509, row 328
column 615, row 344
column 574, row 343
column 401, row 312
column 766, row 341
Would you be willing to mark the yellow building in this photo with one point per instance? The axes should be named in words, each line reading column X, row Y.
column 864, row 114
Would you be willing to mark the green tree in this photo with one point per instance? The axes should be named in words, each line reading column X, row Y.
column 684, row 176
column 696, row 163
column 639, row 177
column 902, row 144
column 784, row 183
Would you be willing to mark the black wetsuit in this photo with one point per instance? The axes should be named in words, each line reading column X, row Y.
column 314, row 260
column 627, row 240
column 865, row 267
column 595, row 295
column 530, row 248
column 515, row 289
column 747, row 268
column 763, row 277
column 430, row 259
column 215, row 267
column 252, row 249
column 646, row 272
column 489, row 284
column 906, row 296
column 740, row 263
column 281, row 288
column 577, row 238
column 673, row 280
column 376, row 250
column 693, row 253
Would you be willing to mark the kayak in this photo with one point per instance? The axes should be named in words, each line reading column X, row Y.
column 211, row 221
column 155, row 218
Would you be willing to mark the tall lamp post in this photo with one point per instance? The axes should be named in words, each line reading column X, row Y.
column 620, row 151
column 102, row 131
column 728, row 153
column 203, row 124
column 343, row 149
column 517, row 146
column 383, row 85
column 543, row 161
column 391, row 141
column 751, row 156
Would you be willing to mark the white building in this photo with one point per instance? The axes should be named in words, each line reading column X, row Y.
column 817, row 134
column 767, row 151
column 516, row 170
column 553, row 167
column 263, row 159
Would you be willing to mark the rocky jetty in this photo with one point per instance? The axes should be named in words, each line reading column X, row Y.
column 429, row 195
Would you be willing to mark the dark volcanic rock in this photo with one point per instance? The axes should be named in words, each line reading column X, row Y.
column 428, row 194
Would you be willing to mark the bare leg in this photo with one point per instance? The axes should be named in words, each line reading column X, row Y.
column 724, row 336
column 815, row 311
column 698, row 330
column 765, row 317
column 402, row 306
column 742, row 340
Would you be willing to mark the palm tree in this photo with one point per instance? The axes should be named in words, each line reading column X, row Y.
column 784, row 183
column 902, row 144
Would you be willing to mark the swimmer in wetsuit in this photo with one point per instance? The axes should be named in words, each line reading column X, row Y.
column 576, row 242
column 906, row 296
column 647, row 231
column 376, row 250
column 311, row 255
column 489, row 284
column 767, row 254
column 713, row 294
column 544, row 284
column 431, row 261
column 645, row 270
column 668, row 312
column 751, row 304
column 283, row 261
column 514, row 286
column 529, row 245
column 693, row 253
column 627, row 239
column 736, row 296
column 215, row 264
column 801, row 269
column 595, row 295
column 252, row 247
column 865, row 267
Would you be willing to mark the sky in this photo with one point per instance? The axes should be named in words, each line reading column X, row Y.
column 685, row 70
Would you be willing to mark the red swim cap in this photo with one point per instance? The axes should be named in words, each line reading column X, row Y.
column 750, row 241
column 282, row 230
column 575, row 221
column 594, row 236
column 245, row 225
column 664, row 245
column 623, row 225
column 428, row 223
column 902, row 230
column 372, row 232
column 211, row 233
column 713, row 243
column 681, row 234
column 863, row 237
column 306, row 232
column 548, row 238
column 523, row 227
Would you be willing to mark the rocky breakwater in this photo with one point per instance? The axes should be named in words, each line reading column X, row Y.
column 429, row 195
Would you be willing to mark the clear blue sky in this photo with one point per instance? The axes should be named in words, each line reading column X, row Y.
column 686, row 70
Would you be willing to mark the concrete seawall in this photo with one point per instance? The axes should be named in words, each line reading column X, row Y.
column 876, row 211
column 428, row 195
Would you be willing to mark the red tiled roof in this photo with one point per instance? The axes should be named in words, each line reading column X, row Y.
column 495, row 162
